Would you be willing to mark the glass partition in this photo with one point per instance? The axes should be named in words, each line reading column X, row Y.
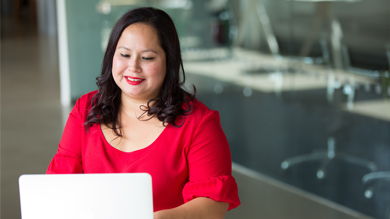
column 302, row 87
column 303, row 92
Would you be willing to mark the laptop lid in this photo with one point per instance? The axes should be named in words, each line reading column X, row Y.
column 86, row 196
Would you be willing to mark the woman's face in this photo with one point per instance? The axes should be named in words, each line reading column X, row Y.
column 139, row 65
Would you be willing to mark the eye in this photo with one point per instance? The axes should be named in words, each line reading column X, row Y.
column 125, row 55
column 147, row 58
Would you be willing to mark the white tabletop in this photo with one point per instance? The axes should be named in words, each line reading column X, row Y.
column 232, row 70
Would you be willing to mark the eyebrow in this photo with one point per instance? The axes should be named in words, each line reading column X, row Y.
column 146, row 50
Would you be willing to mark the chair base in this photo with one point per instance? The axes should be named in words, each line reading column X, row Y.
column 385, row 175
column 328, row 156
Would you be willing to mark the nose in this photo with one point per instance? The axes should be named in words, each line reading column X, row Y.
column 133, row 65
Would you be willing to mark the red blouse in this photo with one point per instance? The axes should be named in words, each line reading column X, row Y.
column 187, row 162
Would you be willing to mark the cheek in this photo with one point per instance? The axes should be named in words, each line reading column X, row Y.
column 117, row 66
column 158, row 71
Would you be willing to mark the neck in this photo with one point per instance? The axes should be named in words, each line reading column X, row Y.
column 132, row 108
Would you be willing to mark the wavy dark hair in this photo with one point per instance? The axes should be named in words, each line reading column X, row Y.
column 172, row 101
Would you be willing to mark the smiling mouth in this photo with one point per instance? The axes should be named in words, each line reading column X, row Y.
column 132, row 79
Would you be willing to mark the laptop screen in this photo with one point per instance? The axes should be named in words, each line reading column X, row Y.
column 85, row 196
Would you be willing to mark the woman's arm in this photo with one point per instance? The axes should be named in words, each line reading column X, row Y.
column 68, row 156
column 198, row 208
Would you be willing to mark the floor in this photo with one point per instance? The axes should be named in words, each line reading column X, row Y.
column 31, row 113
column 32, row 123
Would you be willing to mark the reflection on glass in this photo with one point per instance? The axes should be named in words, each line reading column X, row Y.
column 327, row 107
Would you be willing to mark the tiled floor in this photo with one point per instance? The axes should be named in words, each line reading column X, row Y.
column 31, row 127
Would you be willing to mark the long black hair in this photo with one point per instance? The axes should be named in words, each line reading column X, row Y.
column 172, row 101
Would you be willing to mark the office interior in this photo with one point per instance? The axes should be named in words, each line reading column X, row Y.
column 302, row 88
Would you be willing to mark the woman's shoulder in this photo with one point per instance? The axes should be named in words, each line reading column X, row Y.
column 84, row 103
column 86, row 98
column 198, row 106
column 200, row 110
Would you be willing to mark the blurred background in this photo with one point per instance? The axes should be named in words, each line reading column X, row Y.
column 302, row 87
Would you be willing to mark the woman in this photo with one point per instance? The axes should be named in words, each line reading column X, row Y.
column 141, row 120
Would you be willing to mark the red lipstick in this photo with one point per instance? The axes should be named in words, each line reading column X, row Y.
column 134, row 80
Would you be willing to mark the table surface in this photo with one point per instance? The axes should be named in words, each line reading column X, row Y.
column 236, row 70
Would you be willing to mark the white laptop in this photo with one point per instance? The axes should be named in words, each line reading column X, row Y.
column 86, row 196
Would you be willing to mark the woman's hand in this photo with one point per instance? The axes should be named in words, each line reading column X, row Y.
column 198, row 208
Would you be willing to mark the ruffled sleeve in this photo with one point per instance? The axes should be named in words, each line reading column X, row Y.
column 221, row 188
column 210, row 164
column 65, row 162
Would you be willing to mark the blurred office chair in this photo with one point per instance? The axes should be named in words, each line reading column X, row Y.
column 337, row 123
column 326, row 156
